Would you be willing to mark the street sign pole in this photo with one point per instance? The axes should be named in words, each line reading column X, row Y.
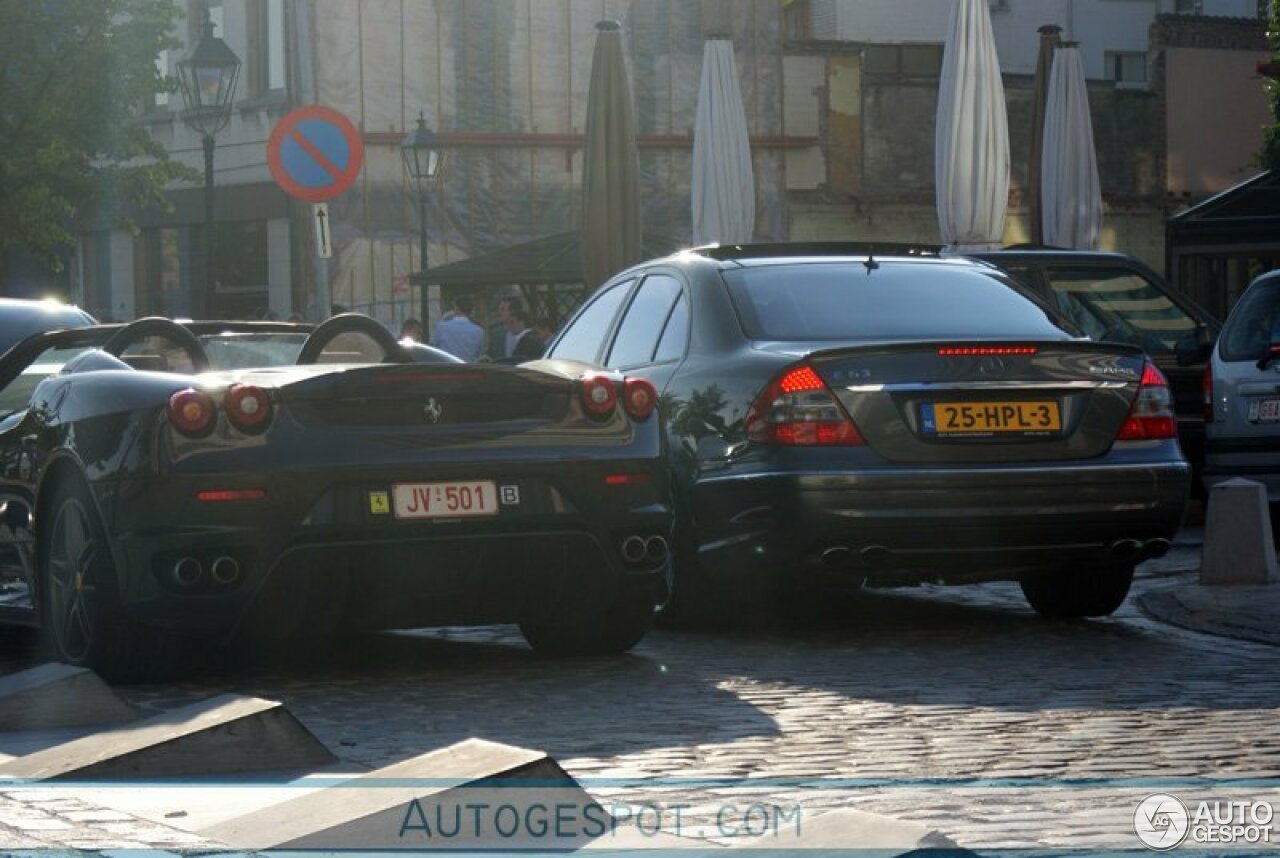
column 320, row 221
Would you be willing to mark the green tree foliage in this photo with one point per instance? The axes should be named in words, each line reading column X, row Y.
column 1270, row 156
column 76, row 74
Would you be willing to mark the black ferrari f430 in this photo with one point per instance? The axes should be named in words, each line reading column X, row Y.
column 206, row 479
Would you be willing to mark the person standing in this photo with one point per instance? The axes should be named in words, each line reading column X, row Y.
column 457, row 334
column 500, row 339
column 526, row 345
column 411, row 330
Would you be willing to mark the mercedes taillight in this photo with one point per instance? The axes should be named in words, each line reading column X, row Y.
column 797, row 409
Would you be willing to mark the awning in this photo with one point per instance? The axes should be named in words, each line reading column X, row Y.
column 548, row 260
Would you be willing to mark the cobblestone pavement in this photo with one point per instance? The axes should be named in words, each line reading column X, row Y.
column 953, row 707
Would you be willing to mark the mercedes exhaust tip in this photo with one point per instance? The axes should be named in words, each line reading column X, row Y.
column 1153, row 548
column 1126, row 549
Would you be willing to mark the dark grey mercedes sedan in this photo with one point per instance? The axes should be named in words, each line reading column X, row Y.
column 839, row 419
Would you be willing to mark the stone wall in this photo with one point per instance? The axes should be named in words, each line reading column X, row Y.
column 872, row 177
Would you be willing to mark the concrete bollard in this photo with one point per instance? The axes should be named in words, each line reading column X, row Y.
column 1237, row 535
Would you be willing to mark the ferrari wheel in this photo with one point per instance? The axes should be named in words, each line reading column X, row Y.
column 1092, row 592
column 609, row 631
column 80, row 604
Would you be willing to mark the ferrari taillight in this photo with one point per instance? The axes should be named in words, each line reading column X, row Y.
column 797, row 409
column 639, row 398
column 191, row 412
column 599, row 393
column 1151, row 416
column 248, row 407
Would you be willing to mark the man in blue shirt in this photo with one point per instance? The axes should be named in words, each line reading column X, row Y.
column 457, row 334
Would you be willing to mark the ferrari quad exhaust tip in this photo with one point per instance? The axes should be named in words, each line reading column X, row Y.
column 633, row 549
column 655, row 549
column 187, row 572
column 639, row 550
column 225, row 570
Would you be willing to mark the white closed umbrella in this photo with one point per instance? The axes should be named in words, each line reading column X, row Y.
column 971, row 155
column 1071, row 193
column 724, row 193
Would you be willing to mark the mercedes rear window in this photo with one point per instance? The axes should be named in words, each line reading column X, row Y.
column 845, row 300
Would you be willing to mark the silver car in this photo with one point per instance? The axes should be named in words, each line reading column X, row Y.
column 1242, row 392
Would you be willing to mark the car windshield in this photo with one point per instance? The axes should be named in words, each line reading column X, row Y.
column 243, row 351
column 1254, row 325
column 1119, row 305
column 914, row 301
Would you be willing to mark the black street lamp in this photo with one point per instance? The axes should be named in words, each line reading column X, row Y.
column 208, row 76
column 422, row 153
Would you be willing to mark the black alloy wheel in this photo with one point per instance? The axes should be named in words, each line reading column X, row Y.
column 80, row 598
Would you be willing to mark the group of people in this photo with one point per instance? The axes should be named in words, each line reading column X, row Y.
column 512, row 337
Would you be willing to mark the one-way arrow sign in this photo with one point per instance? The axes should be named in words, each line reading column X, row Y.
column 320, row 217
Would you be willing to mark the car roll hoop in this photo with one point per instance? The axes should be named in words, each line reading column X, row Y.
column 163, row 328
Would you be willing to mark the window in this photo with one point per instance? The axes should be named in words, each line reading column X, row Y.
column 676, row 334
column 267, row 45
column 916, row 61
column 161, row 286
column 915, row 301
column 585, row 334
column 1119, row 305
column 797, row 16
column 240, row 256
column 1254, row 324
column 1188, row 7
column 1126, row 67
column 638, row 334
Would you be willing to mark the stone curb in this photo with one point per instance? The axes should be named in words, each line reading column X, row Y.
column 1243, row 613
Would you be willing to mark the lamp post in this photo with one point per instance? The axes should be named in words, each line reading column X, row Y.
column 422, row 155
column 208, row 76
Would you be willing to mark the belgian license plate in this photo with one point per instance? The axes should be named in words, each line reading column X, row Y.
column 989, row 418
column 1264, row 410
column 444, row 500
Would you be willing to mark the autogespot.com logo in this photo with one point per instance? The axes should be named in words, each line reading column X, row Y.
column 1161, row 821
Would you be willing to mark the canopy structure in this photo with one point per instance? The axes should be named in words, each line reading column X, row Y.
column 547, row 270
column 971, row 156
column 610, row 164
column 552, row 259
column 1216, row 248
column 1071, row 193
column 724, row 193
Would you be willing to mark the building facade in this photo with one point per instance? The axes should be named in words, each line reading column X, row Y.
column 864, row 75
column 159, row 269
column 840, row 98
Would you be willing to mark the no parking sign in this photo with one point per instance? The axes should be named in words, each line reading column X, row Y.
column 315, row 153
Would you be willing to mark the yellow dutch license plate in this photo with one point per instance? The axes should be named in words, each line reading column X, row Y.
column 989, row 418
